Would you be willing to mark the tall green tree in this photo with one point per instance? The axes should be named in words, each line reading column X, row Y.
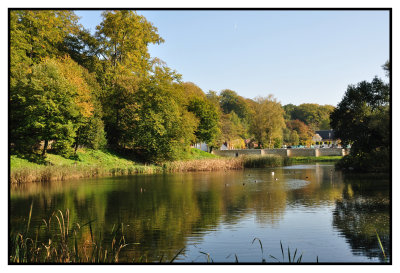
column 230, row 101
column 123, row 37
column 56, row 101
column 37, row 34
column 362, row 119
column 163, row 128
column 267, row 121
column 206, row 112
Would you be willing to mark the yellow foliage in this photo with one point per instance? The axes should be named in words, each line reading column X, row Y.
column 75, row 75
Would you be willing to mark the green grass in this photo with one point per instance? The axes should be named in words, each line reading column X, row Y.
column 199, row 154
column 88, row 163
column 18, row 163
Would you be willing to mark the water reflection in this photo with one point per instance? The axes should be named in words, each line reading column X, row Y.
column 164, row 213
column 363, row 211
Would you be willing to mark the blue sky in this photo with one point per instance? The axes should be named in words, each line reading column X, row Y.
column 298, row 56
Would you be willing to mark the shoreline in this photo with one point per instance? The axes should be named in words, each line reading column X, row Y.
column 103, row 164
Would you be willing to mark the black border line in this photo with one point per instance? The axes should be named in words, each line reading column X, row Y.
column 220, row 9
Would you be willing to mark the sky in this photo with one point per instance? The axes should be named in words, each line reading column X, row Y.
column 297, row 56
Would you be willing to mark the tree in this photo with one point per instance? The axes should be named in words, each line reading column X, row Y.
column 206, row 112
column 362, row 119
column 289, row 109
column 290, row 137
column 34, row 35
column 314, row 115
column 267, row 120
column 304, row 133
column 230, row 101
column 163, row 129
column 193, row 91
column 53, row 105
column 123, row 38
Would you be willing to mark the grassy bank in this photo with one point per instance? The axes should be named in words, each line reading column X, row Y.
column 89, row 163
column 93, row 163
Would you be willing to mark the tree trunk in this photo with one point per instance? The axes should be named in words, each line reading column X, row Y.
column 46, row 143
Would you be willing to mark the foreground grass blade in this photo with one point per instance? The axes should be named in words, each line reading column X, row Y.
column 380, row 244
column 29, row 218
column 262, row 251
column 208, row 256
column 274, row 258
column 299, row 259
column 177, row 254
column 283, row 254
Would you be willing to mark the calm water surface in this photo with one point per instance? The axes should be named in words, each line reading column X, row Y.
column 312, row 208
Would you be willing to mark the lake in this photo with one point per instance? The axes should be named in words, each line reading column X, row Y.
column 221, row 216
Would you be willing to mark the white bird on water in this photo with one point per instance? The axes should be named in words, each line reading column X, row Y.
column 272, row 173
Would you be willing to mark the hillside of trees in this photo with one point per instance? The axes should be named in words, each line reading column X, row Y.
column 71, row 89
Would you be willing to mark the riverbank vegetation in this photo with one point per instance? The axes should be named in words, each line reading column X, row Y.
column 96, row 163
column 70, row 89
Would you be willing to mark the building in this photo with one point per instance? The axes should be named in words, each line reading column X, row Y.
column 327, row 139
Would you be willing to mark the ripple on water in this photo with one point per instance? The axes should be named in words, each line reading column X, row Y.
column 294, row 184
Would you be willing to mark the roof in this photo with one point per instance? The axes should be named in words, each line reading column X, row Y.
column 326, row 134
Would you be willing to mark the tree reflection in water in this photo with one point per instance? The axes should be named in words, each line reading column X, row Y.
column 364, row 208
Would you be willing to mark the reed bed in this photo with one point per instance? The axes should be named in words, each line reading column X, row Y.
column 62, row 243
column 67, row 172
column 256, row 161
column 212, row 164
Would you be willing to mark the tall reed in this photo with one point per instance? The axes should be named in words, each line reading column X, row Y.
column 62, row 244
column 256, row 161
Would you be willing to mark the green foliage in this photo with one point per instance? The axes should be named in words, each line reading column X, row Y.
column 316, row 116
column 362, row 119
column 52, row 106
column 206, row 112
column 163, row 129
column 230, row 101
column 37, row 34
column 267, row 120
column 124, row 36
column 46, row 105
